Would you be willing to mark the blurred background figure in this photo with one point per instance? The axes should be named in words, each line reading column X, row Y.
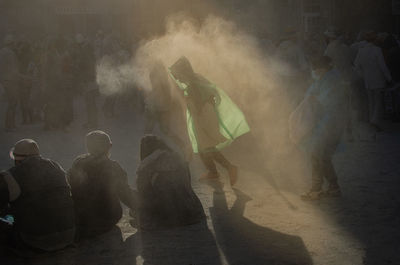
column 24, row 55
column 10, row 78
column 342, row 59
column 370, row 63
column 294, row 70
column 84, row 62
column 57, row 72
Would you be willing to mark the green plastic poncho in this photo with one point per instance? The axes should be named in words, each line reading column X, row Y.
column 232, row 122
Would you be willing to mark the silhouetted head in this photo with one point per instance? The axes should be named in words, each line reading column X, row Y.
column 370, row 36
column 151, row 143
column 24, row 148
column 98, row 143
column 321, row 65
column 182, row 70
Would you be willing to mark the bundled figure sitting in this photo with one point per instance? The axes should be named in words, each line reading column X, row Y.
column 98, row 185
column 35, row 192
column 165, row 195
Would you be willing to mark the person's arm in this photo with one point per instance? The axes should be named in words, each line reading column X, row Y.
column 125, row 193
column 4, row 194
column 14, row 190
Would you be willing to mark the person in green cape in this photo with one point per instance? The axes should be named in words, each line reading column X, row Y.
column 213, row 119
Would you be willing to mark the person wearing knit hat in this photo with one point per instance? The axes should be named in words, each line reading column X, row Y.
column 24, row 148
column 98, row 143
column 39, row 198
column 98, row 185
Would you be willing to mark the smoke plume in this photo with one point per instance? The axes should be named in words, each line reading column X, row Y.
column 234, row 61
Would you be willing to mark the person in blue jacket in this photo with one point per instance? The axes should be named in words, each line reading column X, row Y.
column 330, row 94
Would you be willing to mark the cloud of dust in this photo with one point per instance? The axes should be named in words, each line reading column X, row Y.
column 229, row 58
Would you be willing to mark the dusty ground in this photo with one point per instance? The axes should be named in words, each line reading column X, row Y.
column 252, row 224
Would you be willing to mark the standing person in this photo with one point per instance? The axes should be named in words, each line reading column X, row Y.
column 340, row 54
column 359, row 43
column 213, row 120
column 370, row 63
column 10, row 78
column 24, row 56
column 40, row 201
column 98, row 185
column 294, row 68
column 66, row 91
column 85, row 73
column 158, row 107
column 342, row 59
column 327, row 98
column 52, row 72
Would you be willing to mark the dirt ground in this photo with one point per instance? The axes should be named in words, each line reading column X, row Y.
column 252, row 224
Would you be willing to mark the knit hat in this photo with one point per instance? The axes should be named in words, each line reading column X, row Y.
column 24, row 148
column 98, row 142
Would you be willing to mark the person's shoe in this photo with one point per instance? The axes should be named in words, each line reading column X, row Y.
column 312, row 195
column 233, row 175
column 209, row 176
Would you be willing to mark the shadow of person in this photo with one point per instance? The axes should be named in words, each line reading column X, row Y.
column 193, row 244
column 249, row 156
column 103, row 249
column 244, row 242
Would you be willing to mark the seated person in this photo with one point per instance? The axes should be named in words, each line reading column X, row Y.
column 98, row 184
column 39, row 199
column 165, row 195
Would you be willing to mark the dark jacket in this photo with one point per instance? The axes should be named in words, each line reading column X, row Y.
column 98, row 184
column 44, row 213
column 165, row 195
column 4, row 194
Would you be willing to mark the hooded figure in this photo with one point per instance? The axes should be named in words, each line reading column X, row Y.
column 213, row 119
column 165, row 195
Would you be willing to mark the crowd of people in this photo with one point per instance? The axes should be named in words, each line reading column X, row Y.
column 331, row 84
column 336, row 85
column 42, row 78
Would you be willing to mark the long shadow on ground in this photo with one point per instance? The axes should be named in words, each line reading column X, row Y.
column 246, row 243
column 192, row 244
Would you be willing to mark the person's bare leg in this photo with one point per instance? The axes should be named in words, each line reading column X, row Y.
column 232, row 170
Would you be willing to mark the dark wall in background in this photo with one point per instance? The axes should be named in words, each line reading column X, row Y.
column 354, row 15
